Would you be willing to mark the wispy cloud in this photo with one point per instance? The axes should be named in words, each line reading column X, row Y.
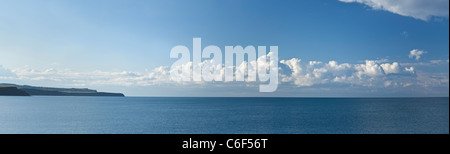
column 435, row 62
column 6, row 73
column 68, row 77
column 419, row 9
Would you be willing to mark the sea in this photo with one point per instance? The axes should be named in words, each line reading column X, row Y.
column 241, row 115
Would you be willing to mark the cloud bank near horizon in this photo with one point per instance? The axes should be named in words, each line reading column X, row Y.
column 293, row 73
column 372, row 73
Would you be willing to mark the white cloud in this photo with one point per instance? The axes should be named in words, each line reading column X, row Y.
column 333, row 65
column 158, row 76
column 410, row 69
column 314, row 63
column 301, row 74
column 294, row 65
column 437, row 62
column 416, row 53
column 370, row 73
column 6, row 73
column 387, row 83
column 428, row 64
column 428, row 80
column 67, row 77
column 419, row 9
column 391, row 68
column 370, row 68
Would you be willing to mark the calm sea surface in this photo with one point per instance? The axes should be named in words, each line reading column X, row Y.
column 223, row 115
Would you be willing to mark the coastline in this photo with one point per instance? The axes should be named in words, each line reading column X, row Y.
column 25, row 90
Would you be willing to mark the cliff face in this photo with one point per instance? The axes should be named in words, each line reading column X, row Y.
column 12, row 91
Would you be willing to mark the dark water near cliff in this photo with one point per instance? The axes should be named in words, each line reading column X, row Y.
column 223, row 115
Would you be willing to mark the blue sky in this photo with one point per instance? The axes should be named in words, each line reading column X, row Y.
column 120, row 45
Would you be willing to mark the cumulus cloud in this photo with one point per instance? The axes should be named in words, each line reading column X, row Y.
column 370, row 73
column 215, row 71
column 370, row 68
column 391, row 68
column 419, row 9
column 416, row 53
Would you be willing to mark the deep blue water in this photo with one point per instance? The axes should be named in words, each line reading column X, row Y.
column 223, row 115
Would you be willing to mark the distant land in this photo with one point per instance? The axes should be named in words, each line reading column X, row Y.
column 12, row 91
column 7, row 89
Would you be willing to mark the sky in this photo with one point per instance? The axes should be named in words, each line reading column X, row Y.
column 327, row 48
